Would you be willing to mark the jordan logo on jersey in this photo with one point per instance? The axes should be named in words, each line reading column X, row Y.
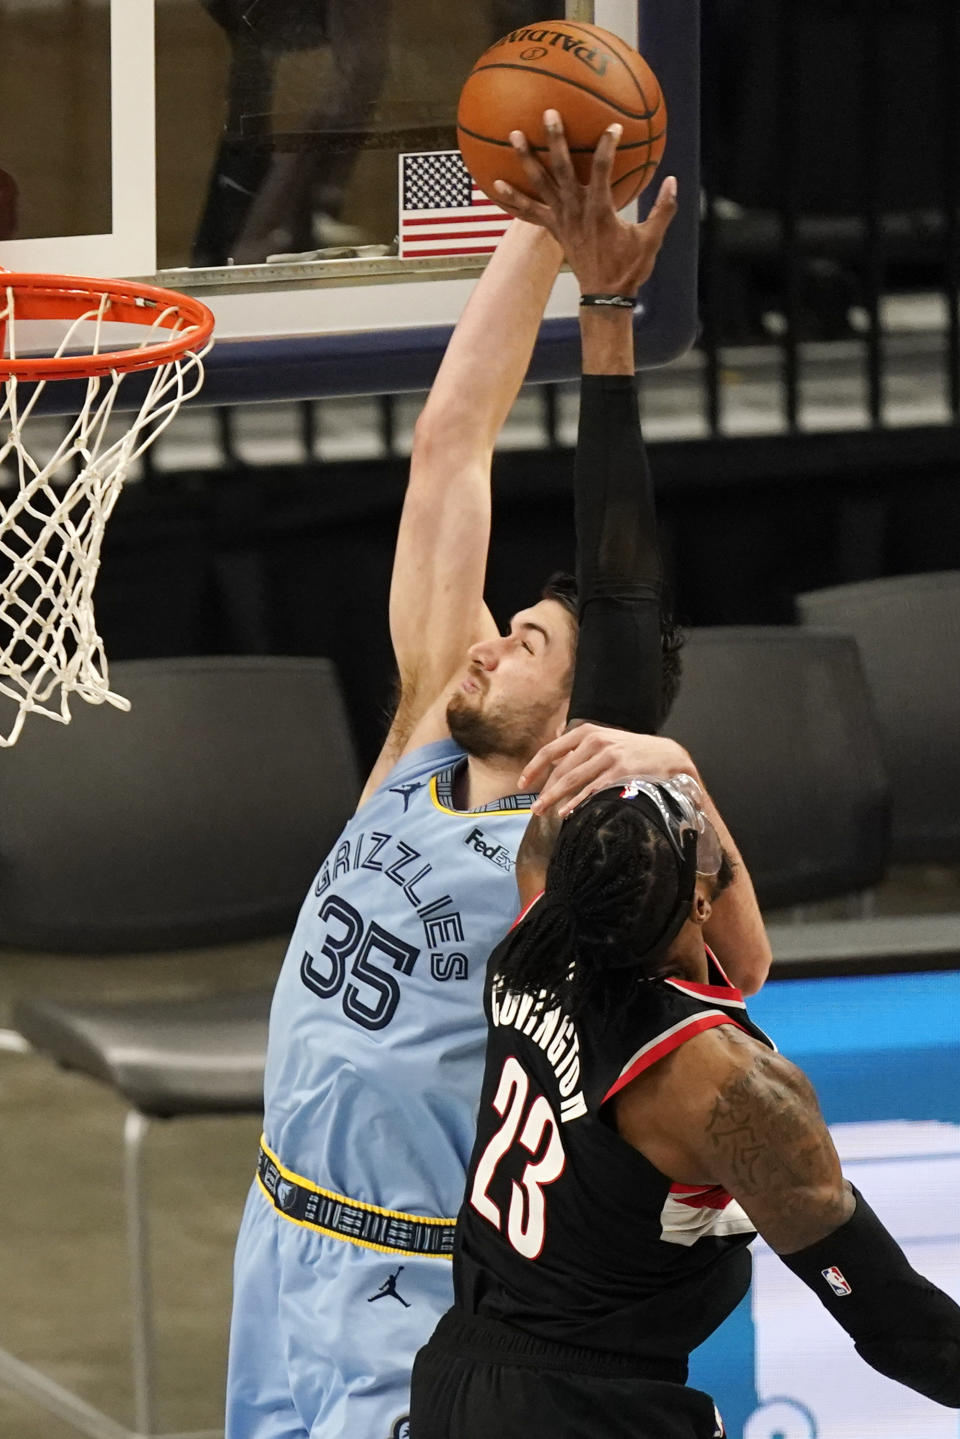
column 389, row 1287
column 406, row 791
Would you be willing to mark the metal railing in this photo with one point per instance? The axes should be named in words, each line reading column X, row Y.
column 831, row 170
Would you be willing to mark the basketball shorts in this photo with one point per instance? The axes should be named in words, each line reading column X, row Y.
column 324, row 1332
column 480, row 1380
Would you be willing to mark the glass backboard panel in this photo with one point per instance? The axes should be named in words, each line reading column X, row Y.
column 77, row 139
column 302, row 107
column 247, row 151
column 54, row 135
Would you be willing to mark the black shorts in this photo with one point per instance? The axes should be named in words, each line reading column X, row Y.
column 477, row 1379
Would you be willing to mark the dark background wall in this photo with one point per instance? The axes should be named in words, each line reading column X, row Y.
column 296, row 559
column 831, row 186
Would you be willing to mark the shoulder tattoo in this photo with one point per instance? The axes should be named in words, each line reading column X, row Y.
column 766, row 1127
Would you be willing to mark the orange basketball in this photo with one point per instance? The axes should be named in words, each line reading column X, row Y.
column 590, row 76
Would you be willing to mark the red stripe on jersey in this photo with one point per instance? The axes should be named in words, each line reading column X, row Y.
column 714, row 1196
column 726, row 994
column 713, row 957
column 526, row 909
column 656, row 1051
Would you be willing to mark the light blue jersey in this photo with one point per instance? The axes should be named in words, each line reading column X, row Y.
column 374, row 1064
column 377, row 1032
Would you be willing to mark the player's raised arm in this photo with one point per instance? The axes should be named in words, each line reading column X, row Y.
column 725, row 1109
column 619, row 680
column 436, row 596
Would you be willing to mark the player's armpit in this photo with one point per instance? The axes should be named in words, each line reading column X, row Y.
column 723, row 1109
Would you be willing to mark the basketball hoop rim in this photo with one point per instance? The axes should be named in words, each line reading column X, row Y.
column 68, row 297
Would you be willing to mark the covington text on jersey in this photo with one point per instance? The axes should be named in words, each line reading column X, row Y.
column 553, row 1032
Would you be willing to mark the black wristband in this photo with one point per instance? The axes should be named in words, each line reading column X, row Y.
column 610, row 302
column 901, row 1324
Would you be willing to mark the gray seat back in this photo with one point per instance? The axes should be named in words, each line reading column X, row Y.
column 779, row 722
column 908, row 632
column 197, row 818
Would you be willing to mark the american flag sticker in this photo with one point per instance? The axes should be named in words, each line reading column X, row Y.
column 441, row 210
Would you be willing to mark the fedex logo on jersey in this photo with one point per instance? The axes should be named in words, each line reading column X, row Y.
column 496, row 853
column 836, row 1281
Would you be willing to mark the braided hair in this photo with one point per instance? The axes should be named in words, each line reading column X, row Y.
column 611, row 887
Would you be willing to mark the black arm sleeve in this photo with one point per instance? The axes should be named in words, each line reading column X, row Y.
column 619, row 576
column 900, row 1323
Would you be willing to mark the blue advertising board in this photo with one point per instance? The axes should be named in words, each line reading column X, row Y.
column 883, row 1053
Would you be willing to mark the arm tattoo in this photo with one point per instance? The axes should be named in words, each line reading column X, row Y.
column 766, row 1125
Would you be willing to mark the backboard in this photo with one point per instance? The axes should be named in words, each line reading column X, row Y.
column 246, row 152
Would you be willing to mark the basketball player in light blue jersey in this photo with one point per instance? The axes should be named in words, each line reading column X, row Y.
column 377, row 1031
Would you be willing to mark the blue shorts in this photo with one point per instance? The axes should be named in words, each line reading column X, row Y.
column 324, row 1331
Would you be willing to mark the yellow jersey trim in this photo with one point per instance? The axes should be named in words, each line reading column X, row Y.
column 467, row 813
column 289, row 1174
column 349, row 1238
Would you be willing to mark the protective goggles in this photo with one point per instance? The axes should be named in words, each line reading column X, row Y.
column 679, row 802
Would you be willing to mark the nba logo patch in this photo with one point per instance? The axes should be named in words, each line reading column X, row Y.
column 836, row 1281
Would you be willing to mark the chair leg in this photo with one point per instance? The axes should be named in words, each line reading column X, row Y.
column 13, row 1043
column 43, row 1391
column 867, row 904
column 36, row 1386
column 134, row 1133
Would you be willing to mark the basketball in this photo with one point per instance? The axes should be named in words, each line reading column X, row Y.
column 590, row 76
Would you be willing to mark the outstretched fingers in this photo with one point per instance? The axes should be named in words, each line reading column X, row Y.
column 561, row 166
column 522, row 207
column 664, row 209
column 598, row 190
column 523, row 204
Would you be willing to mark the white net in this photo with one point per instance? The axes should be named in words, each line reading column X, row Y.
column 54, row 508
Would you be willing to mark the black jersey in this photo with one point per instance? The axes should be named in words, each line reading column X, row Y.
column 567, row 1232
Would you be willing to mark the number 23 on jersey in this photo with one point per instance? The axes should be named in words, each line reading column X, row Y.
column 533, row 1128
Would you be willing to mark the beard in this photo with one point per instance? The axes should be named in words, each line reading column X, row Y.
column 495, row 733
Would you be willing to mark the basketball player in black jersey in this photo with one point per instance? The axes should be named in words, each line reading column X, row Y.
column 635, row 1128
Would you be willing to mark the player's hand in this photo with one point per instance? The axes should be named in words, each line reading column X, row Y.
column 590, row 757
column 608, row 255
